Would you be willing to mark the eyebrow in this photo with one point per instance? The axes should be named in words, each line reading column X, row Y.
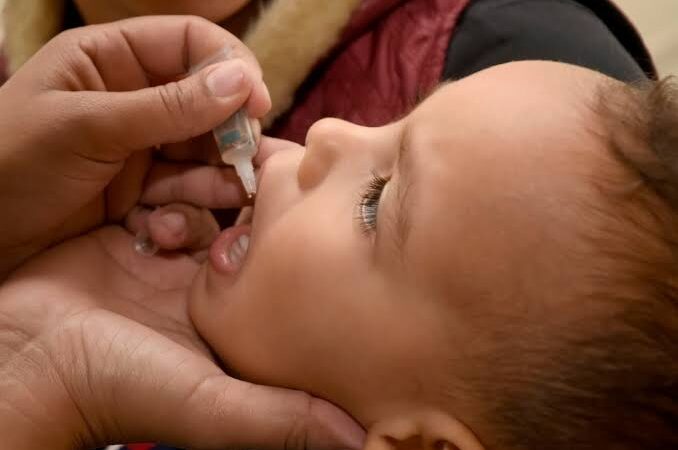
column 402, row 223
column 401, row 215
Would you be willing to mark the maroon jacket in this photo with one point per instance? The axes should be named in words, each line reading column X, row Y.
column 391, row 54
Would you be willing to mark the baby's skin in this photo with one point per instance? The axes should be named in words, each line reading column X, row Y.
column 382, row 264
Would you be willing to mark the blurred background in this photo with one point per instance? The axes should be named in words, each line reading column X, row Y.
column 657, row 21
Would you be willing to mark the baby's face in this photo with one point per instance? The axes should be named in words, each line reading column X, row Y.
column 381, row 258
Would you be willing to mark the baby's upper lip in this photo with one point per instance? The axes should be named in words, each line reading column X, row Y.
column 258, row 172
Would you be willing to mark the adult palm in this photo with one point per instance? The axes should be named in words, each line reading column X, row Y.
column 96, row 347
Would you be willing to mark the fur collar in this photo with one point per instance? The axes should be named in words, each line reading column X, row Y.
column 286, row 42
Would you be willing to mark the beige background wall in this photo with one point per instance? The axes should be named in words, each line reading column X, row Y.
column 2, row 3
column 657, row 21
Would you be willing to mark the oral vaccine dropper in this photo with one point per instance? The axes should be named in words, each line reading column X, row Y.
column 237, row 145
column 235, row 137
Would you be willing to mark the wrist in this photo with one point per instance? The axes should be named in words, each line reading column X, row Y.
column 36, row 408
column 35, row 411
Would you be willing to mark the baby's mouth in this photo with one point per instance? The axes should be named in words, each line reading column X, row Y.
column 229, row 251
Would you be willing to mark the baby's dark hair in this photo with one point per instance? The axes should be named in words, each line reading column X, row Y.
column 608, row 380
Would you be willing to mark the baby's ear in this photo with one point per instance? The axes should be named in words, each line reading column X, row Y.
column 430, row 430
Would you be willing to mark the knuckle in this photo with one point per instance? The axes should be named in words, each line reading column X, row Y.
column 297, row 436
column 179, row 101
column 73, row 43
column 71, row 36
column 71, row 51
column 95, row 142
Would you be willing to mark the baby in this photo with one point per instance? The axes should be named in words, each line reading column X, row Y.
column 496, row 270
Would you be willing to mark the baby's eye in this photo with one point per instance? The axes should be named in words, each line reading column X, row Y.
column 369, row 203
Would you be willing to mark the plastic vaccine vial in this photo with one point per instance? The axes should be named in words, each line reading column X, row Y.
column 235, row 137
column 238, row 145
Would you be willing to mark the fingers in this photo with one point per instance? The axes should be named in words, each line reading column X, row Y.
column 125, row 87
column 270, row 418
column 181, row 226
column 212, row 187
column 183, row 399
column 176, row 226
column 125, row 188
column 201, row 149
column 169, row 113
column 206, row 186
column 187, row 190
column 130, row 54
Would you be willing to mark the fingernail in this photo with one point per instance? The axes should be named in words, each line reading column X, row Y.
column 174, row 222
column 226, row 80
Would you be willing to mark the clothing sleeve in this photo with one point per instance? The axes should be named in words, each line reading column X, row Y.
column 493, row 32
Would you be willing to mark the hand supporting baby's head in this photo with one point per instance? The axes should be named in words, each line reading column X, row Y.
column 498, row 267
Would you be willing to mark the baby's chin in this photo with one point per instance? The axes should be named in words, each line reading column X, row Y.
column 210, row 317
column 207, row 301
column 238, row 351
column 198, row 299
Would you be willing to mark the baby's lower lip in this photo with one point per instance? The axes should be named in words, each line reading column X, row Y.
column 229, row 251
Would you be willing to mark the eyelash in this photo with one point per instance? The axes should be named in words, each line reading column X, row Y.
column 368, row 206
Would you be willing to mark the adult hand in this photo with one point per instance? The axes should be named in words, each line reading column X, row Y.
column 78, row 122
column 96, row 348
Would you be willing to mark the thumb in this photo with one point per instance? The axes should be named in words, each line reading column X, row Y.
column 164, row 392
column 172, row 112
column 269, row 418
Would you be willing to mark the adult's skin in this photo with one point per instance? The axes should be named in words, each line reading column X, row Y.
column 79, row 119
column 95, row 343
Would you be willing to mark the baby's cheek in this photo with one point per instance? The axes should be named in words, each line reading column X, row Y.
column 284, row 314
column 253, row 323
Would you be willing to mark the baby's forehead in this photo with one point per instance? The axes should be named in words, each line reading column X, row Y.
column 517, row 87
column 502, row 186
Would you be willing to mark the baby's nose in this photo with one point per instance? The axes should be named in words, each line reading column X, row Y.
column 327, row 142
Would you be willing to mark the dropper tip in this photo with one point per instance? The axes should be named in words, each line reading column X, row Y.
column 250, row 187
column 246, row 173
